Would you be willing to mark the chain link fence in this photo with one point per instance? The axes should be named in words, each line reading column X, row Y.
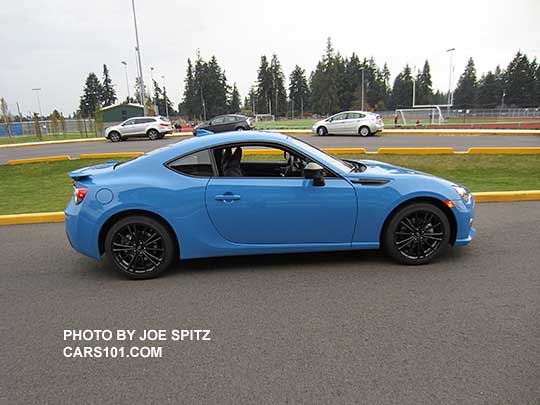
column 84, row 127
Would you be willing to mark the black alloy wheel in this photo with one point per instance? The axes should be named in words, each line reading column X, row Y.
column 417, row 234
column 140, row 247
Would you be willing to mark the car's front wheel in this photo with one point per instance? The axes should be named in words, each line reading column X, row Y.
column 115, row 137
column 417, row 234
column 153, row 134
column 322, row 131
column 140, row 247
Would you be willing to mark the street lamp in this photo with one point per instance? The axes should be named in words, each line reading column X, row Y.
column 138, row 49
column 450, row 94
column 165, row 97
column 37, row 90
column 362, row 69
column 127, row 81
column 153, row 89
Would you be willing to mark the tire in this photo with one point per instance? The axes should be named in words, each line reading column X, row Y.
column 115, row 137
column 123, row 139
column 417, row 234
column 240, row 129
column 153, row 134
column 322, row 131
column 161, row 136
column 364, row 131
column 140, row 247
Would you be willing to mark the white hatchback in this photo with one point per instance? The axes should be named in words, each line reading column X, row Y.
column 350, row 123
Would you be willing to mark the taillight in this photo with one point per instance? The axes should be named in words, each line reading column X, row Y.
column 79, row 194
column 164, row 125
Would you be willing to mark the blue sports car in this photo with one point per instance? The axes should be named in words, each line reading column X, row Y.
column 258, row 193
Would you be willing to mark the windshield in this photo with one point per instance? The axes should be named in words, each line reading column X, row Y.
column 316, row 152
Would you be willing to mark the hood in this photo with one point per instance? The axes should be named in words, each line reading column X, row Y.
column 386, row 169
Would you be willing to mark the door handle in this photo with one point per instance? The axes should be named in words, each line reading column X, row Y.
column 227, row 197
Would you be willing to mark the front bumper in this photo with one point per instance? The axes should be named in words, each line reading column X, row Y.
column 464, row 213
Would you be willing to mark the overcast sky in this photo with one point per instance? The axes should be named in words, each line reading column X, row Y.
column 54, row 44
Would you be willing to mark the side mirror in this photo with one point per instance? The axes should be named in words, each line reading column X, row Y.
column 314, row 171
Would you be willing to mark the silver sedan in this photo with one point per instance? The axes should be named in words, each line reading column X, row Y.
column 350, row 123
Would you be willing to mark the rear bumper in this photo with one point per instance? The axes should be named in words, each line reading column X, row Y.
column 79, row 231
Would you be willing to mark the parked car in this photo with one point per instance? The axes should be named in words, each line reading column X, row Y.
column 152, row 127
column 201, row 198
column 350, row 123
column 225, row 123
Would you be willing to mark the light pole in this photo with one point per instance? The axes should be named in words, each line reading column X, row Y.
column 153, row 89
column 450, row 95
column 362, row 69
column 127, row 81
column 37, row 90
column 165, row 97
column 142, row 94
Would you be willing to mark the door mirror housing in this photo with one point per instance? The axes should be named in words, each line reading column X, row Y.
column 314, row 171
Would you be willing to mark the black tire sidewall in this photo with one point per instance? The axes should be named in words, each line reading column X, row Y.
column 151, row 134
column 116, row 136
column 168, row 242
column 323, row 130
column 389, row 245
column 360, row 131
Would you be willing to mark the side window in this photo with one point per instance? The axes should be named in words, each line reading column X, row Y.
column 217, row 121
column 197, row 164
column 129, row 122
column 339, row 117
column 353, row 116
column 362, row 115
column 231, row 119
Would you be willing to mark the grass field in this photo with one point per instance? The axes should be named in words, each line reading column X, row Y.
column 52, row 137
column 42, row 187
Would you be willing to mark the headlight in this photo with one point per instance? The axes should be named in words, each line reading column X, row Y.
column 463, row 193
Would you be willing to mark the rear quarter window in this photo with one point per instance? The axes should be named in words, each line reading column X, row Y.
column 197, row 164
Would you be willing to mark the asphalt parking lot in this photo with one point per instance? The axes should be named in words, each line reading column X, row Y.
column 325, row 328
column 459, row 142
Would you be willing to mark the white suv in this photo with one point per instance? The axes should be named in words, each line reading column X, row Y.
column 152, row 127
column 350, row 123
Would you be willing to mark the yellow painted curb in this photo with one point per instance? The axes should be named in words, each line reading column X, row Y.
column 37, row 218
column 501, row 151
column 38, row 160
column 505, row 196
column 110, row 155
column 415, row 151
column 338, row 151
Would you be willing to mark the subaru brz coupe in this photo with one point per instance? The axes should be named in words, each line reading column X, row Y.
column 258, row 193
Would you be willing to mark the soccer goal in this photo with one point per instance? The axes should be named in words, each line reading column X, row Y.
column 424, row 115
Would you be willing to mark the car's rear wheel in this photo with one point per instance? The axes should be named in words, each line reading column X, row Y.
column 364, row 131
column 140, row 247
column 153, row 134
column 417, row 234
column 115, row 137
column 161, row 136
column 239, row 129
column 322, row 131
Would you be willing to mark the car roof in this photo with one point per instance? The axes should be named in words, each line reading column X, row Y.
column 208, row 141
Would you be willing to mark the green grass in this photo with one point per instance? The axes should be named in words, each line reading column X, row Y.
column 51, row 137
column 42, row 187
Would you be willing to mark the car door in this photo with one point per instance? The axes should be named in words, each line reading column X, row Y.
column 338, row 124
column 127, row 127
column 218, row 124
column 351, row 123
column 282, row 210
column 141, row 125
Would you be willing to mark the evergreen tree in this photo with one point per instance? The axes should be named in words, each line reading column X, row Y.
column 190, row 103
column 264, row 87
column 402, row 89
column 91, row 98
column 490, row 89
column 324, row 96
column 298, row 89
column 424, row 89
column 520, row 83
column 465, row 95
column 108, row 94
column 234, row 102
column 278, row 93
column 162, row 101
